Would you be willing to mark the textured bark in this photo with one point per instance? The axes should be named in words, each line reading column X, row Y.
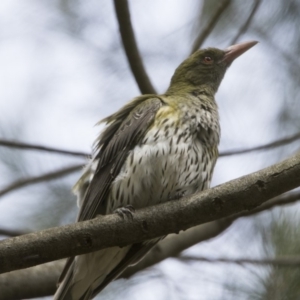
column 23, row 283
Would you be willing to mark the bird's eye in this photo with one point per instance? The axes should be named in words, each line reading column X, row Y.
column 207, row 60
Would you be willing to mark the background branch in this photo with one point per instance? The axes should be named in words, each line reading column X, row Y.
column 131, row 49
column 11, row 232
column 205, row 32
column 36, row 179
column 283, row 261
column 244, row 28
column 271, row 145
column 14, row 284
column 27, row 146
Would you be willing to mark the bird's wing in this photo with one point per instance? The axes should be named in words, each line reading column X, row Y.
column 125, row 130
column 119, row 138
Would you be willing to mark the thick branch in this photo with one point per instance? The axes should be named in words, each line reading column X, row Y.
column 26, row 280
column 36, row 179
column 210, row 25
column 27, row 146
column 130, row 47
column 244, row 193
column 173, row 244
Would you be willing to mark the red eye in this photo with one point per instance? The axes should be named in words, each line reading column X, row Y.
column 207, row 60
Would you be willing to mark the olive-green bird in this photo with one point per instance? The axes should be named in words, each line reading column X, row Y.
column 154, row 149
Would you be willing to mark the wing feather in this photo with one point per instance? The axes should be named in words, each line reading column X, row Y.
column 114, row 152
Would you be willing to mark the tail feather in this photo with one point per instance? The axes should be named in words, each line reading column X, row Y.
column 64, row 290
column 86, row 272
column 87, row 275
column 134, row 255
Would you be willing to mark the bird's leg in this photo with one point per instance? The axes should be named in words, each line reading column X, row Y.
column 126, row 211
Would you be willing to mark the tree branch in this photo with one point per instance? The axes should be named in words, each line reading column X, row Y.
column 244, row 28
column 36, row 179
column 271, row 145
column 27, row 146
column 26, row 280
column 241, row 194
column 210, row 25
column 130, row 47
column 281, row 261
column 12, row 232
column 173, row 244
column 14, row 285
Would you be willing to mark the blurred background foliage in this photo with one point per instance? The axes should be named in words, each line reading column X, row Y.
column 63, row 68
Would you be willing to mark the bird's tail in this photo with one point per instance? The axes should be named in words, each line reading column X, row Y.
column 64, row 289
column 85, row 273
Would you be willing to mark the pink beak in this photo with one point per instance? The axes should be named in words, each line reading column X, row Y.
column 234, row 51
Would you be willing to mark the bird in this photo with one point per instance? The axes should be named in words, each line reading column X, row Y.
column 154, row 149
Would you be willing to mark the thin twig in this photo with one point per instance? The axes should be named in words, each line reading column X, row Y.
column 210, row 25
column 281, row 261
column 271, row 145
column 36, row 179
column 21, row 145
column 130, row 47
column 244, row 28
column 11, row 232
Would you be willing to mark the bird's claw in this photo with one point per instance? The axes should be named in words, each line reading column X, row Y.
column 178, row 195
column 125, row 212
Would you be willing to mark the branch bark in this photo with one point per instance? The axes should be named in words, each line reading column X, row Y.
column 45, row 276
column 131, row 49
column 241, row 194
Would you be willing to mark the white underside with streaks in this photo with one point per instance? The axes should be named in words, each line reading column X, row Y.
column 160, row 171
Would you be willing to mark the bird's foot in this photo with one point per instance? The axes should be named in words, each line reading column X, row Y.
column 178, row 195
column 125, row 212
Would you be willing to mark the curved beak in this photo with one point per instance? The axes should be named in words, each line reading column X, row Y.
column 234, row 51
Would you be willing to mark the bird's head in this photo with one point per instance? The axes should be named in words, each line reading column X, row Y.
column 206, row 68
